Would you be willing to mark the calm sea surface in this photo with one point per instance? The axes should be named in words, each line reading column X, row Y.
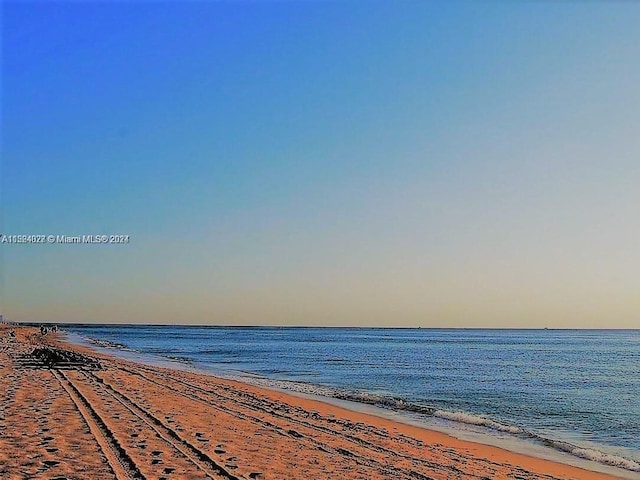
column 573, row 390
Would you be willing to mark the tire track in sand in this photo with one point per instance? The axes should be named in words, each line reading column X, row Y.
column 369, row 461
column 247, row 401
column 122, row 465
column 196, row 456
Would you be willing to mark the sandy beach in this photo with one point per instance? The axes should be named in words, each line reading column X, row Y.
column 70, row 413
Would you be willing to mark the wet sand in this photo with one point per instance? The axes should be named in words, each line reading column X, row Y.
column 70, row 413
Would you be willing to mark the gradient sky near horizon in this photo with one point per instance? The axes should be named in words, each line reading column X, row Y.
column 434, row 164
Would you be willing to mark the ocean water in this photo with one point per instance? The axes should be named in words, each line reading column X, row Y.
column 576, row 391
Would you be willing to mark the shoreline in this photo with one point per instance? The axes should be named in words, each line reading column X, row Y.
column 250, row 427
column 524, row 442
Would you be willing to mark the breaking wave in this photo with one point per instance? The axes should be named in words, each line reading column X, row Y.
column 109, row 344
column 469, row 419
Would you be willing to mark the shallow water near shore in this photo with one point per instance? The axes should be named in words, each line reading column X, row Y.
column 574, row 391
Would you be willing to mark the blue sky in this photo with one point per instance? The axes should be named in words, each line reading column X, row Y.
column 331, row 163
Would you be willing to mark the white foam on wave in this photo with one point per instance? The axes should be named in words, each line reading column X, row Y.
column 597, row 456
column 469, row 419
column 300, row 387
column 109, row 344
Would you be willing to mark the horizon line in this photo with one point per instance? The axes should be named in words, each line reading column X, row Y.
column 361, row 327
